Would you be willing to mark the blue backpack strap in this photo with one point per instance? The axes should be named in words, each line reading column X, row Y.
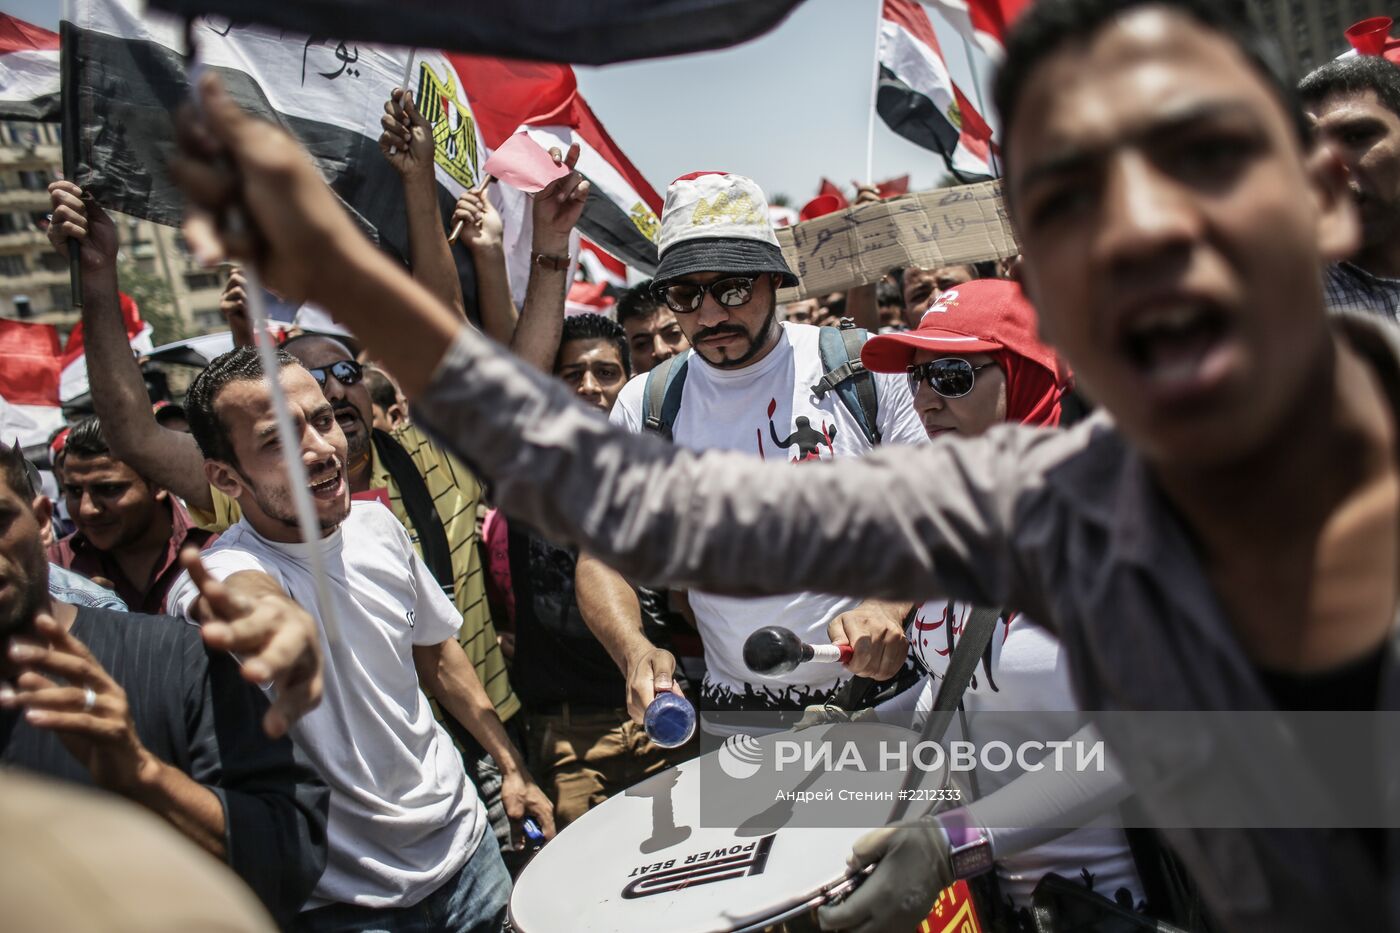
column 662, row 401
column 848, row 377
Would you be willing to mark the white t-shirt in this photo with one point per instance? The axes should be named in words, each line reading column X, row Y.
column 403, row 816
column 1026, row 673
column 756, row 410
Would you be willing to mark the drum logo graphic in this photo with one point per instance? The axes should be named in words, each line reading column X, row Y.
column 740, row 756
column 711, row 865
column 454, row 131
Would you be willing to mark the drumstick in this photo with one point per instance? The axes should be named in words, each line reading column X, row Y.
column 457, row 227
column 775, row 650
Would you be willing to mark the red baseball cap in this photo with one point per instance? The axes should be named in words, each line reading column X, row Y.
column 981, row 316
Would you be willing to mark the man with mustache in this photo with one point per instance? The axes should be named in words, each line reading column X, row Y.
column 748, row 381
column 1354, row 105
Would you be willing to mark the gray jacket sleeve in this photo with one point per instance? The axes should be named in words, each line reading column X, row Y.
column 907, row 522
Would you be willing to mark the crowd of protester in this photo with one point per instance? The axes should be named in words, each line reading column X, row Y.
column 496, row 651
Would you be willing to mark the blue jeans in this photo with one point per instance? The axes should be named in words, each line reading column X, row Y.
column 471, row 901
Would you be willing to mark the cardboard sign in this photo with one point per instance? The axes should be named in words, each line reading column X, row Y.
column 856, row 246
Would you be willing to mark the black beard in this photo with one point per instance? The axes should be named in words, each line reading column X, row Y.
column 756, row 344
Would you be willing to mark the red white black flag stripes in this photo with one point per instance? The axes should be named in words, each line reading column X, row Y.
column 623, row 210
column 588, row 32
column 29, row 81
column 30, row 360
column 128, row 76
column 921, row 100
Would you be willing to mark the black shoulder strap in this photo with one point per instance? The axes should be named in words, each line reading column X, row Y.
column 977, row 634
column 432, row 539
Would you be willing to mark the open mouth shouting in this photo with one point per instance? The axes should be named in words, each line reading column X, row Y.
column 349, row 420
column 1182, row 350
column 328, row 486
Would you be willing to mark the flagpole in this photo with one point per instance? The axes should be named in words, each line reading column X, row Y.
column 68, row 126
column 981, row 106
column 869, row 178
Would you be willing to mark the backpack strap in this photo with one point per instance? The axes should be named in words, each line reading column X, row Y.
column 662, row 401
column 432, row 538
column 847, row 376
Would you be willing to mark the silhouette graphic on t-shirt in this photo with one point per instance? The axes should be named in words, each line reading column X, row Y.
column 807, row 439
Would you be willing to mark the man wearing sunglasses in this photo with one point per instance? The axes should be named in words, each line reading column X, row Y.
column 748, row 388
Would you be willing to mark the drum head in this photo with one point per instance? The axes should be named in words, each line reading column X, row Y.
column 642, row 860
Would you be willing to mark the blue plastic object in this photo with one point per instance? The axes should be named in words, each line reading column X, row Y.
column 670, row 720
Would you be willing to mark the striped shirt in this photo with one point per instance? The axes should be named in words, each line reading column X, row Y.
column 456, row 495
column 193, row 710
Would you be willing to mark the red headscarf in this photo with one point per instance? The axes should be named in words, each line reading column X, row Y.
column 985, row 316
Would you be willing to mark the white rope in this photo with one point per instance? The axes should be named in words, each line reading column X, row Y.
column 297, row 480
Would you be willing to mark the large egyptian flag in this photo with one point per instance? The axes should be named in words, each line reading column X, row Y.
column 28, row 71
column 73, row 376
column 541, row 98
column 127, row 75
column 588, row 32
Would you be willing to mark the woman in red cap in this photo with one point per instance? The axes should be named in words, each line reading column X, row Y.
column 974, row 362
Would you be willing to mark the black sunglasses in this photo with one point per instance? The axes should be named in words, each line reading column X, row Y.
column 685, row 297
column 950, row 377
column 346, row 372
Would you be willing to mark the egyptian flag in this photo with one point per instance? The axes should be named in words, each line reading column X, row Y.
column 28, row 71
column 542, row 99
column 922, row 99
column 597, row 266
column 73, row 375
column 126, row 76
column 589, row 298
column 30, row 360
column 595, row 32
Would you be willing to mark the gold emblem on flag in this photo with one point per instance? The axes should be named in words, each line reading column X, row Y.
column 645, row 219
column 454, row 130
column 955, row 115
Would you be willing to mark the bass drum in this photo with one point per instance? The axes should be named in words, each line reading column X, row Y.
column 644, row 860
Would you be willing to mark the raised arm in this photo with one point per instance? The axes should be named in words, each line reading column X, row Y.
column 555, row 210
column 165, row 457
column 725, row 522
column 861, row 306
column 407, row 143
column 483, row 234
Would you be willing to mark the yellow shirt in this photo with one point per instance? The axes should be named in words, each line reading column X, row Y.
column 456, row 494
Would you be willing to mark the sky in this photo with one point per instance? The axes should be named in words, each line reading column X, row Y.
column 784, row 109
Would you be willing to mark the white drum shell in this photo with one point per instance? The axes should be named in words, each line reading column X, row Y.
column 643, row 861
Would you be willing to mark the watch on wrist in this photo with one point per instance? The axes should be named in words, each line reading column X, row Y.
column 969, row 848
column 550, row 261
